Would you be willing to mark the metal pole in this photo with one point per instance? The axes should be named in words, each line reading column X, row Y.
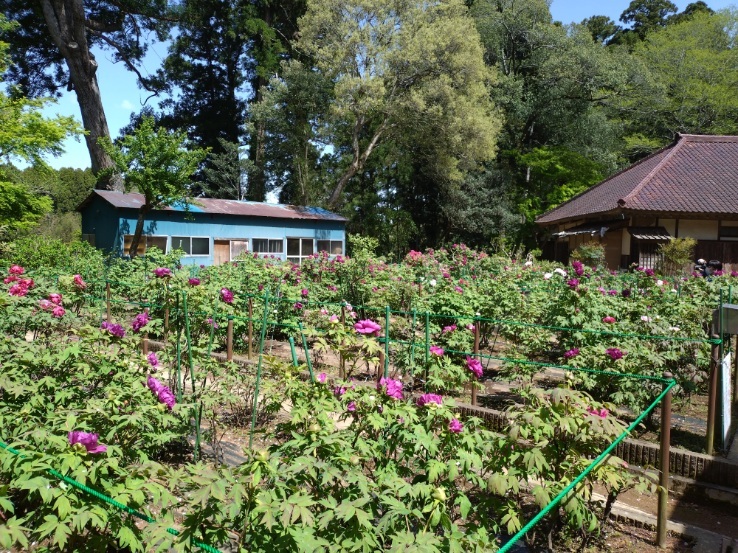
column 229, row 339
column 386, row 339
column 258, row 368
column 341, row 360
column 251, row 324
column 427, row 351
column 107, row 300
column 665, row 451
column 294, row 352
column 712, row 396
column 476, row 353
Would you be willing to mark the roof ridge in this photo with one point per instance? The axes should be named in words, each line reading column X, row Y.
column 608, row 179
column 674, row 147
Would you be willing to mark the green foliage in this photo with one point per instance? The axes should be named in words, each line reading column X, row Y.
column 676, row 253
column 53, row 255
column 20, row 209
column 590, row 253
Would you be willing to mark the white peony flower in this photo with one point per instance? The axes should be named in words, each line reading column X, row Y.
column 432, row 282
column 547, row 276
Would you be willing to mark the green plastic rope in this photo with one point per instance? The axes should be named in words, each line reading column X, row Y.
column 98, row 495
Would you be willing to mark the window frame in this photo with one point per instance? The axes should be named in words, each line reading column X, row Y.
column 208, row 238
column 301, row 256
column 145, row 239
column 268, row 253
column 330, row 249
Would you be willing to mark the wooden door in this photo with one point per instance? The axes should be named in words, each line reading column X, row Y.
column 222, row 253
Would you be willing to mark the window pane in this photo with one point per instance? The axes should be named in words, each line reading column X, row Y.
column 157, row 242
column 293, row 246
column 128, row 240
column 261, row 245
column 238, row 247
column 307, row 246
column 324, row 245
column 200, row 246
column 276, row 246
column 181, row 243
column 336, row 247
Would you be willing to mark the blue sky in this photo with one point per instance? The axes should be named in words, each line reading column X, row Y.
column 121, row 96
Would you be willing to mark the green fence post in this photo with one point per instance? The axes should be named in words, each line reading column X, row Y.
column 307, row 353
column 427, row 351
column 293, row 351
column 192, row 373
column 386, row 339
column 258, row 367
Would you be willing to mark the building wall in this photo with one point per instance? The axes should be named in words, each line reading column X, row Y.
column 700, row 230
column 112, row 224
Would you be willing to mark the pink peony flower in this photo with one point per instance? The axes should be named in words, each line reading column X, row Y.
column 114, row 329
column 430, row 400
column 193, row 281
column 18, row 290
column 351, row 407
column 304, row 292
column 608, row 319
column 573, row 352
column 58, row 312
column 162, row 272
column 455, row 426
column 46, row 305
column 56, row 299
column 449, row 328
column 602, row 413
column 88, row 440
column 436, row 350
column 140, row 321
column 153, row 359
column 321, row 378
column 614, row 353
column 367, row 327
column 16, row 270
column 393, row 388
column 475, row 366
column 79, row 283
column 162, row 392
column 226, row 295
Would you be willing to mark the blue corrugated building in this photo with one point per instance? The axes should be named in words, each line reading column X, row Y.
column 212, row 231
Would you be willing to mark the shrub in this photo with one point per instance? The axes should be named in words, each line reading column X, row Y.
column 676, row 254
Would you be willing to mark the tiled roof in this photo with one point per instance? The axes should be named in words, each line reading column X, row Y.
column 697, row 174
column 223, row 207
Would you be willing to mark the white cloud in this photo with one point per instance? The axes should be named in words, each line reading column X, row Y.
column 127, row 105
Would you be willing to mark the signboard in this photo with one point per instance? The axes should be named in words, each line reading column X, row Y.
column 725, row 399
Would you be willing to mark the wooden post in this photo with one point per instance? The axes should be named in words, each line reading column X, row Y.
column 341, row 360
column 251, row 324
column 735, row 371
column 664, row 466
column 476, row 356
column 712, row 396
column 107, row 300
column 229, row 339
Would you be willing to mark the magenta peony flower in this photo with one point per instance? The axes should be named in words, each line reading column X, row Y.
column 475, row 366
column 573, row 283
column 430, row 400
column 608, row 319
column 573, row 352
column 367, row 327
column 140, row 321
column 612, row 292
column 455, row 426
column 193, row 281
column 297, row 306
column 153, row 359
column 338, row 391
column 46, row 305
column 226, row 295
column 449, row 328
column 162, row 272
column 162, row 392
column 578, row 267
column 88, row 440
column 56, row 299
column 114, row 329
column 211, row 322
column 304, row 292
column 351, row 407
column 321, row 378
column 602, row 413
column 614, row 353
column 79, row 283
column 393, row 388
column 649, row 272
column 18, row 290
column 16, row 270
column 436, row 350
column 58, row 312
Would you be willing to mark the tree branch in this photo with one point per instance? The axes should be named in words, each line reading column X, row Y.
column 141, row 79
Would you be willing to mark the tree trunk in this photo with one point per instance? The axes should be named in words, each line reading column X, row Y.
column 133, row 250
column 66, row 22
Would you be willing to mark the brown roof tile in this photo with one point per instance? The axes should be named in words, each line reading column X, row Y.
column 697, row 174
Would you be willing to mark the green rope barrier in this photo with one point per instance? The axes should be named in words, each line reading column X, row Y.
column 556, row 500
column 120, row 506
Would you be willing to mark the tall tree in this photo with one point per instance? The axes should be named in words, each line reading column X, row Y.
column 399, row 70
column 52, row 49
column 156, row 163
